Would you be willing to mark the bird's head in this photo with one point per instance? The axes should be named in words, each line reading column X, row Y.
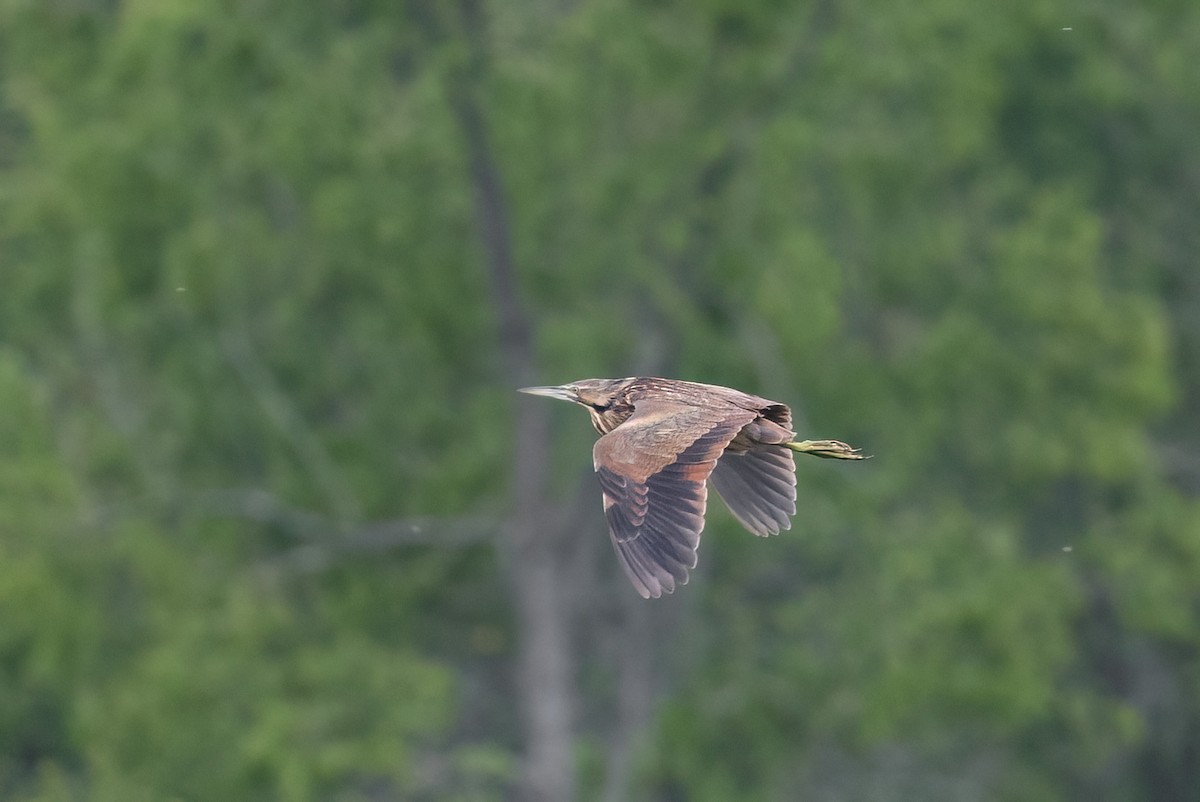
column 604, row 399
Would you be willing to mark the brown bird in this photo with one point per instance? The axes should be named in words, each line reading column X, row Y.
column 662, row 440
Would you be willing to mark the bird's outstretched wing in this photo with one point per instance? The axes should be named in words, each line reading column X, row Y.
column 653, row 469
column 759, row 487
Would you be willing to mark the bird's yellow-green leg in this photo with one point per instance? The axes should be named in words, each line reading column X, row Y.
column 829, row 449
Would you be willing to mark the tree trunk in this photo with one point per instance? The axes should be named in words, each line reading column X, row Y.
column 537, row 558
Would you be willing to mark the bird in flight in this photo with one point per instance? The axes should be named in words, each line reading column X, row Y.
column 661, row 441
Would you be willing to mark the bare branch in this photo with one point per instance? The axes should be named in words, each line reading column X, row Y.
column 325, row 544
column 280, row 411
column 260, row 506
column 102, row 366
column 379, row 538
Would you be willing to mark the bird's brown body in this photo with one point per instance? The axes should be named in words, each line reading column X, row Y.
column 661, row 441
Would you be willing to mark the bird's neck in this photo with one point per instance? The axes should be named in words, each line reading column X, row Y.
column 609, row 419
column 600, row 422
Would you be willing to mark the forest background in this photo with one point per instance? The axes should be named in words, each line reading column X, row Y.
column 274, row 524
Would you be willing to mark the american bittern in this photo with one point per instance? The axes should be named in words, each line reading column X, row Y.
column 662, row 440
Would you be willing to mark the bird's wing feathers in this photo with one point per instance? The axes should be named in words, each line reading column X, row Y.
column 653, row 469
column 759, row 487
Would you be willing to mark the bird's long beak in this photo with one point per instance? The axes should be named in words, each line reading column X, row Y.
column 563, row 393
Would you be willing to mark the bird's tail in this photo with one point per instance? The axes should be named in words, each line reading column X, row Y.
column 828, row 449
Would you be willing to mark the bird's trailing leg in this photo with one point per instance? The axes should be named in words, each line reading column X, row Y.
column 829, row 449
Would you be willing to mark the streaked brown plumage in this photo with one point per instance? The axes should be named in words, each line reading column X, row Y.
column 661, row 441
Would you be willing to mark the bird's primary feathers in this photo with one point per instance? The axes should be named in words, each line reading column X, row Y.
column 661, row 441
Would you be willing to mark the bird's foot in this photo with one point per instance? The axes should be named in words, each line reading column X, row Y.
column 828, row 449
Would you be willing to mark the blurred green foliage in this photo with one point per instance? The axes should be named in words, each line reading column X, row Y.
column 244, row 312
